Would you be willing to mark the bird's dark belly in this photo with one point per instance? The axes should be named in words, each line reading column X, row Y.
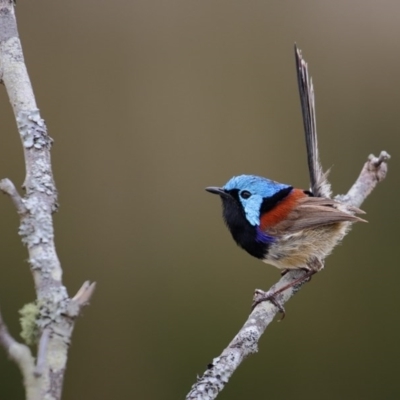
column 244, row 234
column 246, row 238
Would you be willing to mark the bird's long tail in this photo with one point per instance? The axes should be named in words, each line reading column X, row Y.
column 319, row 184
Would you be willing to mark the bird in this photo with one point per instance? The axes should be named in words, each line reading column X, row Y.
column 284, row 226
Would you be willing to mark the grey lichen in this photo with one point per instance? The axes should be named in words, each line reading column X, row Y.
column 36, row 227
column 53, row 307
column 42, row 179
column 32, row 129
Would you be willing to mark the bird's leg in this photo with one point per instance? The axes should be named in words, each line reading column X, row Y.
column 306, row 277
column 286, row 270
column 261, row 296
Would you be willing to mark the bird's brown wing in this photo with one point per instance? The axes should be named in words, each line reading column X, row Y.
column 311, row 212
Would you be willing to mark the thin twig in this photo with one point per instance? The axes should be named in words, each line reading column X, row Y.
column 7, row 187
column 22, row 356
column 373, row 172
column 81, row 299
column 7, row 341
column 42, row 350
column 84, row 294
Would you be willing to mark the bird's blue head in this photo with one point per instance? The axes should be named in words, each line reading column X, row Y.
column 251, row 192
column 245, row 199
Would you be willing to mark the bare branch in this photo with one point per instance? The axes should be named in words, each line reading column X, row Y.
column 7, row 187
column 22, row 356
column 374, row 171
column 81, row 299
column 84, row 293
column 244, row 343
column 42, row 350
column 8, row 342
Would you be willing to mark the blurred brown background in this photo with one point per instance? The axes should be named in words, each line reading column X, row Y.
column 149, row 102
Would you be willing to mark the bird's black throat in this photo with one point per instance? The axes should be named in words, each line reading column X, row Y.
column 244, row 234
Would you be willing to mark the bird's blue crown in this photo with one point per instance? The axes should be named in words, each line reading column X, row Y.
column 259, row 189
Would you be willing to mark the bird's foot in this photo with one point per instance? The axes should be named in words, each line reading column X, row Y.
column 260, row 296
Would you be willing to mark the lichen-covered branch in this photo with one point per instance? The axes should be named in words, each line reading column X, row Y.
column 55, row 312
column 245, row 342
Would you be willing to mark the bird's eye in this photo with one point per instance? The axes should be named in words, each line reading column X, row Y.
column 245, row 194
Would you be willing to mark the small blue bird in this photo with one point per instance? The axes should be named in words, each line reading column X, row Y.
column 283, row 226
column 286, row 227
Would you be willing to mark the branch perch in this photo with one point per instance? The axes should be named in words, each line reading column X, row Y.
column 56, row 311
column 245, row 342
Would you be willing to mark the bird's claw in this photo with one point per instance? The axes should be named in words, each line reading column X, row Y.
column 260, row 296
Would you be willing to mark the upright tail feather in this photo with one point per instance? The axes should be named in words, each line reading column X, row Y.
column 319, row 184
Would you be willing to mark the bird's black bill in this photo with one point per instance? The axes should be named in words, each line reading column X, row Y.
column 217, row 190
